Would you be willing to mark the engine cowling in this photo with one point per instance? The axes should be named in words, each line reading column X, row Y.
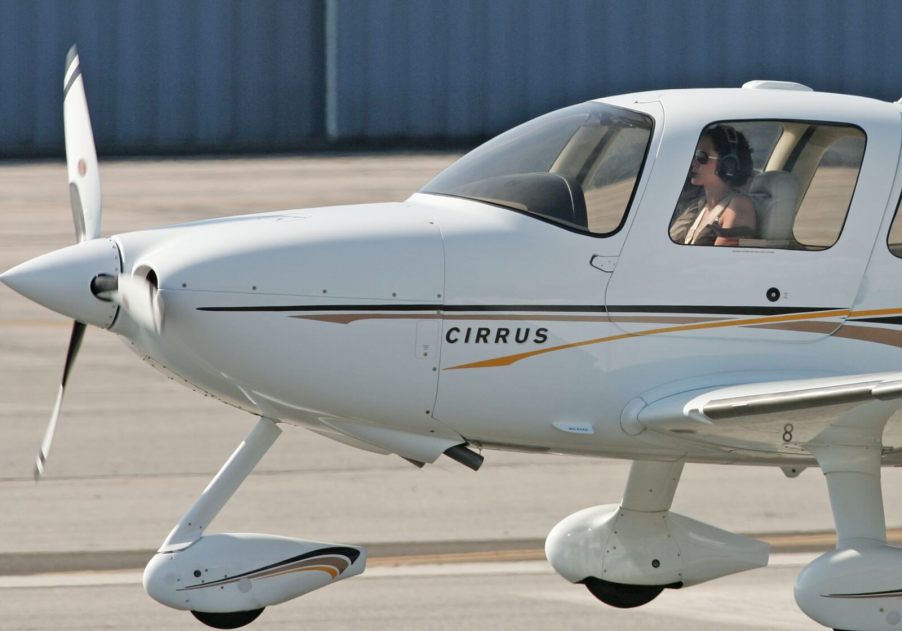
column 854, row 588
column 223, row 573
column 629, row 547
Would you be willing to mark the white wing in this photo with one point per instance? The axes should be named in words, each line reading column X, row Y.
column 771, row 417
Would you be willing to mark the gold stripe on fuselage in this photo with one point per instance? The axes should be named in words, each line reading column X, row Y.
column 507, row 360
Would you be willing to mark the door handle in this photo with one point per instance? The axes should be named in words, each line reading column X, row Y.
column 603, row 263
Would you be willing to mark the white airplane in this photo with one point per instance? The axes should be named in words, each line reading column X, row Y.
column 564, row 288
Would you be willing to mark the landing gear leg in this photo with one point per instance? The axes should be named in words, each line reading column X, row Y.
column 651, row 486
column 220, row 490
column 193, row 523
column 226, row 579
column 853, row 481
column 649, row 489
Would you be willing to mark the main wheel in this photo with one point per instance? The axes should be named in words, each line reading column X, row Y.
column 620, row 595
column 228, row 620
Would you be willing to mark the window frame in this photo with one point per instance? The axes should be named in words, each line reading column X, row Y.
column 793, row 156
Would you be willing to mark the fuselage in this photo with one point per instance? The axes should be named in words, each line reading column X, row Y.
column 408, row 327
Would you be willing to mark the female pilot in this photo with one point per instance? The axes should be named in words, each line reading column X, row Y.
column 721, row 165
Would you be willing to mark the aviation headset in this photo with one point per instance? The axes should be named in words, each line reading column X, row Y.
column 728, row 165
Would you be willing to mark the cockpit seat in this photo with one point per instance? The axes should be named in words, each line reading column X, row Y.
column 776, row 197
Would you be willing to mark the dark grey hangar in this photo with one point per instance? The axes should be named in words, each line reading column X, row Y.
column 496, row 335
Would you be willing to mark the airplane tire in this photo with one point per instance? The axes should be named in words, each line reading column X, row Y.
column 620, row 595
column 229, row 620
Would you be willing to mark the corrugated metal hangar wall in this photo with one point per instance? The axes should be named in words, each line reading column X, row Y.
column 269, row 75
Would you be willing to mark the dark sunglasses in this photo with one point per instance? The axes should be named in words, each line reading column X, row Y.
column 703, row 157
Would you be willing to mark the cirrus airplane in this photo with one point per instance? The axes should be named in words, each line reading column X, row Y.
column 668, row 277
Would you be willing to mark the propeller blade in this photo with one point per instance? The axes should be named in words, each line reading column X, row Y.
column 78, row 333
column 81, row 156
column 84, row 194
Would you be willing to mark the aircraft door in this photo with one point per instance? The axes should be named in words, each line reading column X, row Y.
column 787, row 250
column 525, row 283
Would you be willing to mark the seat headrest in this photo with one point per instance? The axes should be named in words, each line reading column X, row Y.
column 776, row 198
column 780, row 184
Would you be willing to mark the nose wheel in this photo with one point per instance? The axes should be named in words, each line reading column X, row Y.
column 228, row 620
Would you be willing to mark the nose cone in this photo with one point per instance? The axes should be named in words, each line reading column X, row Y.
column 61, row 280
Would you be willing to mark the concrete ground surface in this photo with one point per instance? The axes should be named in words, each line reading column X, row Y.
column 134, row 450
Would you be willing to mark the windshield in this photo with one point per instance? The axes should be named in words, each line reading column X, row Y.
column 577, row 166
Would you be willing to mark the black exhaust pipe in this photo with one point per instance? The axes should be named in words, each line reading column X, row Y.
column 465, row 456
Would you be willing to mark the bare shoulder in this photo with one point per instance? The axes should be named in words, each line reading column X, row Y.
column 741, row 203
column 743, row 208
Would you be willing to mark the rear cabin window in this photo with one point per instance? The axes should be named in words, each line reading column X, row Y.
column 769, row 184
column 577, row 167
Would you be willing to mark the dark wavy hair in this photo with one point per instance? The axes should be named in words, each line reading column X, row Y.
column 718, row 136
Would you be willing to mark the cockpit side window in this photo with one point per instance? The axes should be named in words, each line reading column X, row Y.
column 577, row 167
column 608, row 183
column 769, row 184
